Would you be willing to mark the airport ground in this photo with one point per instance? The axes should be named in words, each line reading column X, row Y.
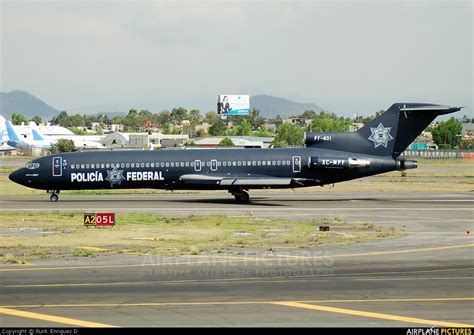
column 399, row 252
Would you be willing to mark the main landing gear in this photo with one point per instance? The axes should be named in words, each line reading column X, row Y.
column 54, row 195
column 240, row 195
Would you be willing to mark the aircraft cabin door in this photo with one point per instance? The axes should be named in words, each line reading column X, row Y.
column 213, row 164
column 197, row 165
column 296, row 164
column 57, row 166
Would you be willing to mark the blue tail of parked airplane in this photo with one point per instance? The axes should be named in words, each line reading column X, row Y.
column 387, row 135
column 36, row 135
column 12, row 135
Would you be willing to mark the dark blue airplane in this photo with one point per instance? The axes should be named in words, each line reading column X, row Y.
column 328, row 158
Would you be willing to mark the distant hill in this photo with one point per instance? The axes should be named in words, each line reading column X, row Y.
column 270, row 106
column 25, row 103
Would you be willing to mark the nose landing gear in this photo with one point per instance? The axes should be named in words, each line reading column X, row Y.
column 54, row 195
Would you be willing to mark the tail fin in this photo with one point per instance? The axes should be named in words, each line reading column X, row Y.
column 36, row 135
column 387, row 135
column 12, row 135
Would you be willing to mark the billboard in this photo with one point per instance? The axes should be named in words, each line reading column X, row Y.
column 228, row 104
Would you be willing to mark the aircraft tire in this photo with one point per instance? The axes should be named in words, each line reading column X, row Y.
column 242, row 197
column 54, row 197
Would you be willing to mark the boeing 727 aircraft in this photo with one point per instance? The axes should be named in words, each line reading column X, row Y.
column 328, row 158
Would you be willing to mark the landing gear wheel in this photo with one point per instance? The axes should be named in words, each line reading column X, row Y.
column 54, row 197
column 242, row 197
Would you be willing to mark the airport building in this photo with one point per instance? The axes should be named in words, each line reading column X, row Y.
column 239, row 141
column 144, row 140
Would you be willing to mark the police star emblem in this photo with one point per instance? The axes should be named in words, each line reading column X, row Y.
column 380, row 135
column 114, row 176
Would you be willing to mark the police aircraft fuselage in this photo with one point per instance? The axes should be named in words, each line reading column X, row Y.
column 328, row 158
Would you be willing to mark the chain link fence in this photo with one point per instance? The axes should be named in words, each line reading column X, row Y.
column 440, row 154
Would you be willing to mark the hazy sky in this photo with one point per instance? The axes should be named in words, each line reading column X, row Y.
column 81, row 53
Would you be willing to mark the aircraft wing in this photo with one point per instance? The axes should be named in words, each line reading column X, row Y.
column 244, row 180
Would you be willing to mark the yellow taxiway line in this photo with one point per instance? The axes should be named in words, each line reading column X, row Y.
column 370, row 314
column 52, row 318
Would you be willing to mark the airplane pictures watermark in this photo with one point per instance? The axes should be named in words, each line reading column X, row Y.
column 308, row 264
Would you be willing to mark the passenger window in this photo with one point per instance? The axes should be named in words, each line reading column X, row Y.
column 254, row 163
column 132, row 165
column 127, row 165
column 288, row 163
column 249, row 163
column 269, row 163
column 192, row 164
column 182, row 164
column 102, row 165
column 264, row 162
column 244, row 163
column 218, row 163
column 162, row 164
column 208, row 163
column 88, row 166
column 167, row 164
column 259, row 163
column 224, row 163
column 172, row 164
column 239, row 163
column 273, row 163
column 142, row 165
column 229, row 163
column 187, row 164
column 82, row 166
column 234, row 163
column 72, row 166
column 152, row 164
column 92, row 166
column 147, row 164
column 107, row 165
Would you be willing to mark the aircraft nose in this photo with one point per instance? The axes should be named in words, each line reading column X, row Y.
column 17, row 176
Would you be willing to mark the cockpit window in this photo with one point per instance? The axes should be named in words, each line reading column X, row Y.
column 32, row 165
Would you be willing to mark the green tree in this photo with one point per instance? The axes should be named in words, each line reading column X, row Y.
column 288, row 135
column 77, row 131
column 447, row 134
column 256, row 119
column 164, row 117
column 37, row 119
column 63, row 145
column 329, row 124
column 18, row 119
column 179, row 114
column 195, row 117
column 263, row 132
column 309, row 115
column 226, row 142
column 217, row 128
column 200, row 133
column 211, row 117
column 244, row 128
column 131, row 122
column 76, row 121
column 62, row 119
